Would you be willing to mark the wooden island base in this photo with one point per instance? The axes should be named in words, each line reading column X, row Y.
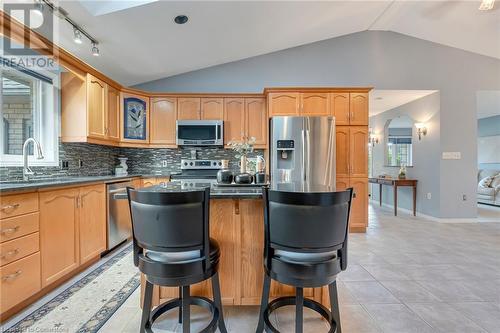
column 238, row 226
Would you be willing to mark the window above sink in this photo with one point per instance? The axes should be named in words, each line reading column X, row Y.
column 30, row 108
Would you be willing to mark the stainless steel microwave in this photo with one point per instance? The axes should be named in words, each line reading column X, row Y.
column 200, row 132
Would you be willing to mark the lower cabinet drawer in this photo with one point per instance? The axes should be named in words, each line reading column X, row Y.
column 18, row 226
column 18, row 248
column 19, row 280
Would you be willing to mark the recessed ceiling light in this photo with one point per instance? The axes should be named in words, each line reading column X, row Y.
column 181, row 19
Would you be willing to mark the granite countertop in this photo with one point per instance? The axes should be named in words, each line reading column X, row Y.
column 215, row 192
column 232, row 192
column 13, row 186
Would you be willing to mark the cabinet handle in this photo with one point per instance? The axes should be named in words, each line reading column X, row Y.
column 11, row 276
column 9, row 230
column 77, row 202
column 351, row 115
column 10, row 253
column 8, row 207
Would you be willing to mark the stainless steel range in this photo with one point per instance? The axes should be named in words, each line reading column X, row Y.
column 197, row 173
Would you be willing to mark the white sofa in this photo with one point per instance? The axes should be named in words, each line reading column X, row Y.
column 489, row 195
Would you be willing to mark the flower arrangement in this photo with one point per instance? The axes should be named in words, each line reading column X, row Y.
column 242, row 148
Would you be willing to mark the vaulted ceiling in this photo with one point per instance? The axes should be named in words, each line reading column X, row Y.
column 140, row 42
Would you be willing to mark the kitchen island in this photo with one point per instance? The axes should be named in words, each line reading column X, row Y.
column 237, row 223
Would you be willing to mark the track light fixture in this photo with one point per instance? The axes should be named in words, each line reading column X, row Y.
column 38, row 8
column 77, row 36
column 63, row 15
column 95, row 50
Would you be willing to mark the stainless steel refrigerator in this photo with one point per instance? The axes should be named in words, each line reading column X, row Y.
column 302, row 153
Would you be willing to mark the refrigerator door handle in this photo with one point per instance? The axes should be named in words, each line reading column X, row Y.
column 303, row 155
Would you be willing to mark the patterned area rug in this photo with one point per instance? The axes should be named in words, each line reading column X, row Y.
column 87, row 304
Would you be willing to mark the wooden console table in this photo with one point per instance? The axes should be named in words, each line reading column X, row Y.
column 395, row 183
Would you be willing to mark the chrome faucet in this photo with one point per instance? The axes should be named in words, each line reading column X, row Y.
column 27, row 172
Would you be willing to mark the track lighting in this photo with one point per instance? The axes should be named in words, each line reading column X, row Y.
column 487, row 5
column 38, row 8
column 77, row 36
column 95, row 50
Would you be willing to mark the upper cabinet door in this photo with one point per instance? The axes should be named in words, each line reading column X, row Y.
column 315, row 104
column 135, row 118
column 234, row 119
column 358, row 140
column 340, row 108
column 113, row 114
column 284, row 104
column 342, row 147
column 163, row 121
column 212, row 108
column 92, row 222
column 188, row 109
column 359, row 108
column 256, row 120
column 96, row 104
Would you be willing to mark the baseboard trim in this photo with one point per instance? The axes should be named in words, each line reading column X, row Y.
column 429, row 217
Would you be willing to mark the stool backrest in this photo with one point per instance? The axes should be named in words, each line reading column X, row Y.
column 307, row 222
column 170, row 221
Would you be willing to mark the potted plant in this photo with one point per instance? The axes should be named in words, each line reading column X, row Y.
column 242, row 149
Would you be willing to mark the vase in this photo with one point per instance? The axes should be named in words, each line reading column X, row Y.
column 123, row 164
column 224, row 175
column 243, row 164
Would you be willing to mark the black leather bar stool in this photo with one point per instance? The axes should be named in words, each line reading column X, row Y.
column 172, row 247
column 305, row 246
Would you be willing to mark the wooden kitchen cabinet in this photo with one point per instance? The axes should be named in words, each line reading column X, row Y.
column 90, row 110
column 223, row 217
column 72, row 229
column 92, row 222
column 342, row 154
column 245, row 118
column 134, row 142
column 212, row 108
column 256, row 121
column 162, row 128
column 340, row 108
column 96, row 104
column 351, row 151
column 234, row 119
column 358, row 141
column 315, row 104
column 112, row 129
column 19, row 281
column 283, row 104
column 358, row 106
column 59, row 245
column 359, row 206
column 189, row 108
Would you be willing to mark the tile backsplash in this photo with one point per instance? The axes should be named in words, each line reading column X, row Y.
column 89, row 160
column 83, row 160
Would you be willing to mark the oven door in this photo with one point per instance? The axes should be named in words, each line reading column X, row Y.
column 200, row 133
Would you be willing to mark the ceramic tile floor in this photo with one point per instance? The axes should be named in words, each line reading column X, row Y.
column 405, row 274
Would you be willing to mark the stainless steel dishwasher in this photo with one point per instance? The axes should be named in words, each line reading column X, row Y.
column 119, row 222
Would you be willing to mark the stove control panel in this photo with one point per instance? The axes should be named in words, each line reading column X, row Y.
column 200, row 164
